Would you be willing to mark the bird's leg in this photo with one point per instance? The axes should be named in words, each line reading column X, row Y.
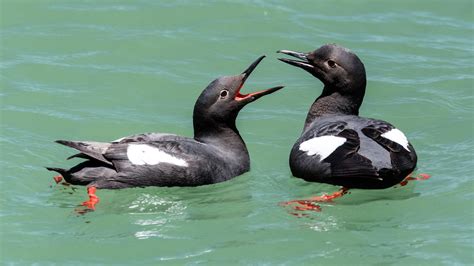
column 309, row 204
column 411, row 178
column 93, row 199
column 328, row 198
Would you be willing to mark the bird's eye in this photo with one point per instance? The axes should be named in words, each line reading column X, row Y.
column 224, row 93
column 331, row 63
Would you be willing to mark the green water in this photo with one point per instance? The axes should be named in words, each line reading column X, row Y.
column 100, row 70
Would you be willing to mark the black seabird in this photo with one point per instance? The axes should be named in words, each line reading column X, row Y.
column 338, row 146
column 216, row 153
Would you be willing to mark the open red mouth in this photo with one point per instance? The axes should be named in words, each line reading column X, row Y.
column 239, row 96
column 254, row 95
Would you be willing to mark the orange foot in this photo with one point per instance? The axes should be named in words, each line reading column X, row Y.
column 329, row 198
column 93, row 199
column 411, row 178
column 302, row 205
column 309, row 204
column 58, row 179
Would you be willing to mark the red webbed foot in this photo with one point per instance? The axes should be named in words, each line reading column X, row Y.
column 329, row 198
column 302, row 205
column 58, row 179
column 93, row 199
column 309, row 204
column 418, row 177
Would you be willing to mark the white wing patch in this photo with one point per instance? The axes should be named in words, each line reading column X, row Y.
column 322, row 146
column 143, row 154
column 397, row 136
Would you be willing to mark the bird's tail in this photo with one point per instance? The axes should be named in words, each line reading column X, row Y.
column 58, row 170
column 63, row 174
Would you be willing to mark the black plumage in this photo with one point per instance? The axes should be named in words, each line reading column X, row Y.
column 216, row 153
column 367, row 158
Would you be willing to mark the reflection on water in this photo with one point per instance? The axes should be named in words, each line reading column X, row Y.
column 152, row 203
column 323, row 223
column 187, row 255
column 159, row 212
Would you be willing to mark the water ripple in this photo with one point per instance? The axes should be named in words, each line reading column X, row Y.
column 46, row 59
column 72, row 29
column 94, row 8
column 423, row 18
column 42, row 111
column 187, row 255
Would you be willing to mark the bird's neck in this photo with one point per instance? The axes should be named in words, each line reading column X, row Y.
column 224, row 136
column 331, row 102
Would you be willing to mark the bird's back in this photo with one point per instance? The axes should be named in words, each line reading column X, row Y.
column 352, row 151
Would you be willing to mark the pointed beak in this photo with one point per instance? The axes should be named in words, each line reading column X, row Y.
column 302, row 63
column 246, row 98
column 249, row 69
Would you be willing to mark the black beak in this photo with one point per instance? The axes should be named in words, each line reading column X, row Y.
column 254, row 95
column 302, row 63
column 249, row 69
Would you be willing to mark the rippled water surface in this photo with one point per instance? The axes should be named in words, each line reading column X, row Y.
column 99, row 70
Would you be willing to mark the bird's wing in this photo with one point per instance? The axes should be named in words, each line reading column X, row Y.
column 168, row 162
column 147, row 137
column 336, row 144
column 88, row 149
column 94, row 150
column 347, row 162
column 393, row 140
